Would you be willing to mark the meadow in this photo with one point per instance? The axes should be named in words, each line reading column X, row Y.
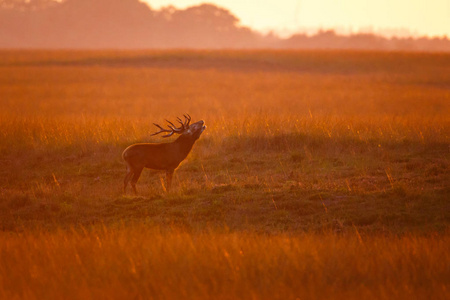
column 320, row 175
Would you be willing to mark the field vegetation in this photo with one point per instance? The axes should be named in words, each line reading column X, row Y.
column 321, row 174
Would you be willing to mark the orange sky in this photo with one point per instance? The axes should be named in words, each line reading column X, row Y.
column 399, row 17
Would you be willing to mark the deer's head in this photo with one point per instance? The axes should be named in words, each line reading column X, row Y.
column 193, row 130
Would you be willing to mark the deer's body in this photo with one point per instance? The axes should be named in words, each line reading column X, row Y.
column 162, row 156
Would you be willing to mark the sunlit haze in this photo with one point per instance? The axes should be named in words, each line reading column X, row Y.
column 387, row 17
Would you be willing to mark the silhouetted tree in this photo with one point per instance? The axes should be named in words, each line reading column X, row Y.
column 205, row 25
column 208, row 16
column 103, row 23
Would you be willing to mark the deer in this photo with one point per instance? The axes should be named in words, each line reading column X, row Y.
column 162, row 156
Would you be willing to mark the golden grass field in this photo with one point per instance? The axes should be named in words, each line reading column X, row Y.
column 321, row 175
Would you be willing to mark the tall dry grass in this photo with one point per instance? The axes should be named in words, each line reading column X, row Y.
column 149, row 263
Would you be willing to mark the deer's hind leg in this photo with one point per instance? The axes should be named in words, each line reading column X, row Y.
column 127, row 178
column 135, row 178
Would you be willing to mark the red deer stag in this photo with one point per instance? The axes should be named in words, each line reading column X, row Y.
column 162, row 156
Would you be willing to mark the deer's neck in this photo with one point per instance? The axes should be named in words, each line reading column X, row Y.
column 184, row 144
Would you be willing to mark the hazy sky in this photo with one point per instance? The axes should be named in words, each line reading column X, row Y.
column 419, row 17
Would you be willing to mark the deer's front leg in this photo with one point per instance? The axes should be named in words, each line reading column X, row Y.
column 169, row 175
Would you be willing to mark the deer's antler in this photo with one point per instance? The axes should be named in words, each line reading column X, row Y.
column 187, row 120
column 173, row 129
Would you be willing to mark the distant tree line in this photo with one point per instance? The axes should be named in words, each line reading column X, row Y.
column 92, row 24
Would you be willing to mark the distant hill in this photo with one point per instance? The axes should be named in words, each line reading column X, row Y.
column 131, row 24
